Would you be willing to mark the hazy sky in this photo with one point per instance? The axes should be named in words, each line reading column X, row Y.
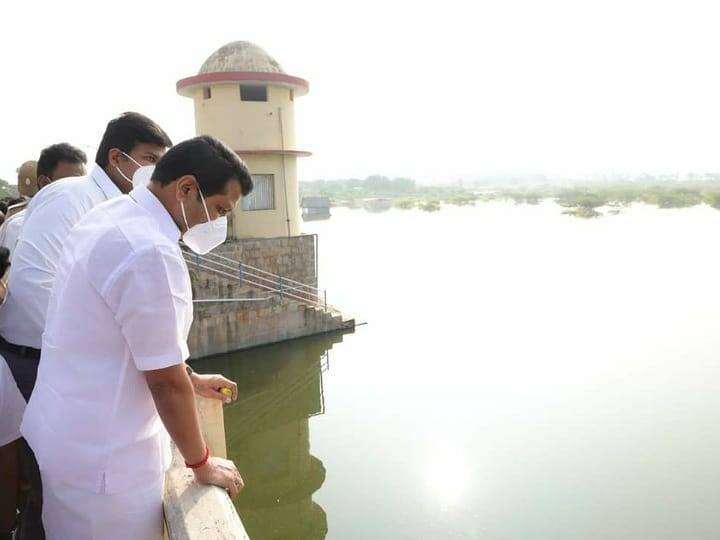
column 431, row 90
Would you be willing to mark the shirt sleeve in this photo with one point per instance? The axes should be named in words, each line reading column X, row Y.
column 150, row 299
column 48, row 220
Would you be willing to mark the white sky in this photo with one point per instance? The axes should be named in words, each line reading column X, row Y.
column 429, row 90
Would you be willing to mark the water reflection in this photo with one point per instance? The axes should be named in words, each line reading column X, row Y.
column 268, row 434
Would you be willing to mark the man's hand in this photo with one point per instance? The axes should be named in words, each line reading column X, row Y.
column 209, row 386
column 220, row 472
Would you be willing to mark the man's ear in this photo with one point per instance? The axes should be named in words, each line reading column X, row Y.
column 114, row 156
column 186, row 187
column 43, row 181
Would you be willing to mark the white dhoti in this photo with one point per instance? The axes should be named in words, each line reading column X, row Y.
column 72, row 513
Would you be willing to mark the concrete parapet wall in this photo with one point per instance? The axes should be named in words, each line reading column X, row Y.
column 194, row 511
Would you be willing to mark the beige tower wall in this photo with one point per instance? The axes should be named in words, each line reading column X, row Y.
column 270, row 223
column 246, row 125
column 255, row 125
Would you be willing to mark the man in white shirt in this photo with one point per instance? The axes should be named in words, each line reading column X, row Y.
column 57, row 161
column 129, row 140
column 112, row 382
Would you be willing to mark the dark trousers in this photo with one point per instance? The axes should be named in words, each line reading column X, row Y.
column 24, row 370
column 31, row 527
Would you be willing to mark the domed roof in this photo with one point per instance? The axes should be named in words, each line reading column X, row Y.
column 240, row 56
column 243, row 62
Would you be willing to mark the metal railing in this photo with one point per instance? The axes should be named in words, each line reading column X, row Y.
column 245, row 274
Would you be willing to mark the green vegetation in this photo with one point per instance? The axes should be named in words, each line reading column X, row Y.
column 525, row 197
column 405, row 204
column 430, row 206
column 403, row 193
column 7, row 190
column 586, row 200
column 663, row 196
column 582, row 212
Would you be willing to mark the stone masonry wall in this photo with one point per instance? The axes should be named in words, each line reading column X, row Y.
column 262, row 318
column 223, row 327
column 292, row 257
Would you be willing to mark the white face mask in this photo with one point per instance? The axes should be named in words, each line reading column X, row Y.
column 143, row 179
column 142, row 175
column 204, row 237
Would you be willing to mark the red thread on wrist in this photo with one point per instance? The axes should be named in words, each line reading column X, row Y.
column 200, row 463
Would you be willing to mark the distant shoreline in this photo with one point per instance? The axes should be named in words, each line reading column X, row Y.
column 582, row 201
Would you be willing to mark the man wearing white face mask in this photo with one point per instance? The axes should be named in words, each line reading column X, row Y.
column 114, row 348
column 129, row 140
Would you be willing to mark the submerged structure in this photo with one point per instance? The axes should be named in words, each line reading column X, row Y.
column 315, row 208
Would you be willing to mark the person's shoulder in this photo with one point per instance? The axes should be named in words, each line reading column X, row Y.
column 17, row 219
column 17, row 216
column 123, row 263
column 119, row 225
column 141, row 229
column 65, row 191
column 64, row 187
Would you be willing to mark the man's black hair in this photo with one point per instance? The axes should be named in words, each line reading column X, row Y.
column 54, row 154
column 3, row 206
column 127, row 131
column 209, row 160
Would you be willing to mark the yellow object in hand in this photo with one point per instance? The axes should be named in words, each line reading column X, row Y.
column 225, row 391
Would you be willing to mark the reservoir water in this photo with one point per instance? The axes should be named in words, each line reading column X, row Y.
column 524, row 375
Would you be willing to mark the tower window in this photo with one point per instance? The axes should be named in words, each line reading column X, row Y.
column 207, row 93
column 250, row 92
column 262, row 197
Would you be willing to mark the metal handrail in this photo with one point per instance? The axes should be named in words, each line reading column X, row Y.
column 205, row 263
column 260, row 270
column 243, row 268
column 221, row 300
column 244, row 279
column 282, row 292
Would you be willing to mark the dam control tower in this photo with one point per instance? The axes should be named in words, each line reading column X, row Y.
column 243, row 97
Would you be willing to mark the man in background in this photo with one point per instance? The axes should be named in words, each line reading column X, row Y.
column 60, row 160
column 129, row 141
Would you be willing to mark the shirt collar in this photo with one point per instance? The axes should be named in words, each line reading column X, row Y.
column 107, row 186
column 147, row 200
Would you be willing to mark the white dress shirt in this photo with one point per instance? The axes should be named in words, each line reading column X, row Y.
column 121, row 304
column 49, row 216
column 12, row 406
column 10, row 230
